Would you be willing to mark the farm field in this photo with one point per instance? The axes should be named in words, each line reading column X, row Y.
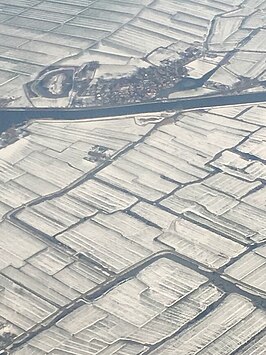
column 36, row 35
column 162, row 215
column 124, row 233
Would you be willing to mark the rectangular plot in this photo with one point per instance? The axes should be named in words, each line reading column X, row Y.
column 16, row 318
column 65, row 40
column 256, row 347
column 11, row 41
column 57, row 293
column 184, row 23
column 50, row 260
column 136, row 179
column 153, row 214
column 73, row 206
column 22, row 3
column 4, row 208
column 15, row 195
column 83, row 3
column 6, row 76
column 190, row 18
column 11, row 9
column 124, row 8
column 223, row 29
column 4, row 49
column 241, row 334
column 59, row 138
column 105, row 14
column 245, row 266
column 250, row 269
column 29, row 57
column 256, row 43
column 26, row 244
column 178, row 314
column 146, row 308
column 9, row 172
column 250, row 217
column 47, row 15
column 219, row 4
column 8, row 258
column 219, row 325
column 4, row 17
column 142, row 236
column 138, row 39
column 138, row 2
column 40, row 222
column 172, row 7
column 20, row 32
column 24, row 302
column 54, row 171
column 49, row 48
column 167, row 29
column 169, row 165
column 220, row 225
column 60, row 7
column 213, row 201
column 118, row 48
column 80, row 277
column 102, row 196
column 19, row 67
column 19, row 150
column 200, row 244
column 116, row 242
column 42, row 25
column 76, row 31
column 94, row 23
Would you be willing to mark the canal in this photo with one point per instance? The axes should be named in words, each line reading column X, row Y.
column 14, row 116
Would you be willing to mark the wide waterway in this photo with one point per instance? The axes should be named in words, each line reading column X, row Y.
column 14, row 116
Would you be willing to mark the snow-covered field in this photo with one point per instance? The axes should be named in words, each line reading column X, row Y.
column 175, row 210
column 34, row 35
column 138, row 234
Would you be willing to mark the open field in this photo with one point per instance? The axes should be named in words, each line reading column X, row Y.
column 37, row 34
column 224, row 330
column 120, row 329
column 123, row 214
column 139, row 234
column 55, row 154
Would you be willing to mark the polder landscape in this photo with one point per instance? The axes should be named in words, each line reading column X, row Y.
column 132, row 177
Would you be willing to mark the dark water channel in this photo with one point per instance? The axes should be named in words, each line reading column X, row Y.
column 15, row 116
